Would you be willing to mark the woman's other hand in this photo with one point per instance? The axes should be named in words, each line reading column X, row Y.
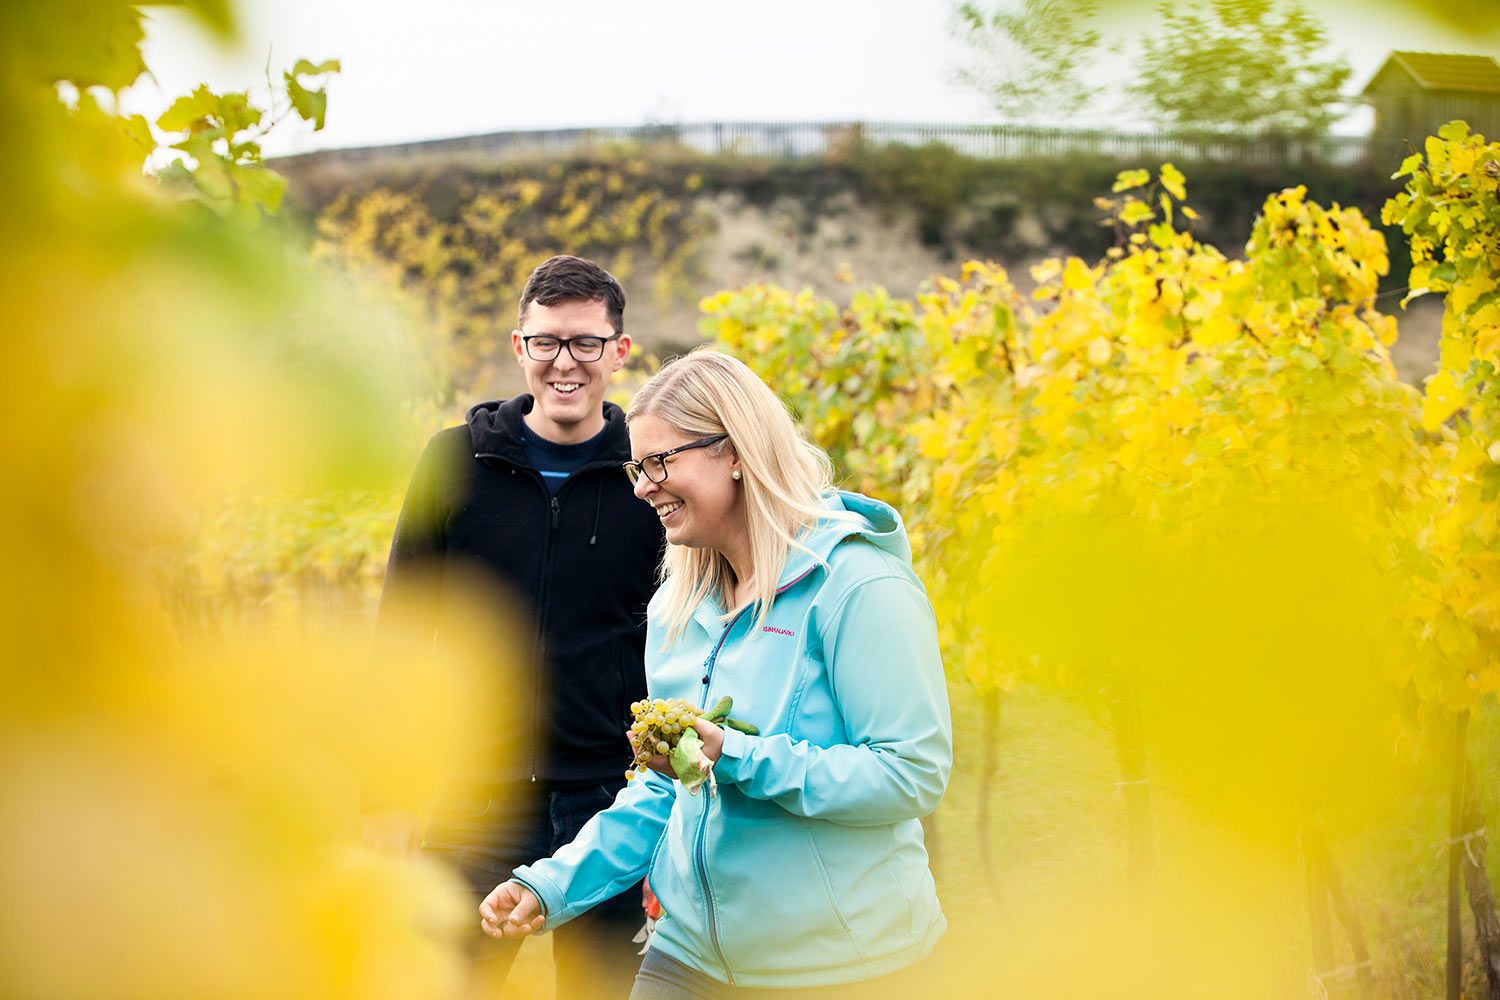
column 511, row 910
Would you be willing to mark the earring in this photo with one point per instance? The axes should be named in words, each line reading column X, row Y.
column 735, row 475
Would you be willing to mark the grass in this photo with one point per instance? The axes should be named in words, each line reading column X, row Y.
column 1058, row 832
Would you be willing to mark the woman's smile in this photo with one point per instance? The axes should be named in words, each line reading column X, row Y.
column 667, row 509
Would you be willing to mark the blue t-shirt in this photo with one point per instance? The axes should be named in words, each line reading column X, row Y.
column 556, row 462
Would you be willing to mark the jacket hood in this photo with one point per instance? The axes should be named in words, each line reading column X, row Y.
column 850, row 515
column 495, row 429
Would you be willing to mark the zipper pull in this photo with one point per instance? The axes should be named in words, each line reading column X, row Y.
column 554, row 513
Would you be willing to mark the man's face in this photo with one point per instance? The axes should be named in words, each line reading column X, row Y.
column 569, row 393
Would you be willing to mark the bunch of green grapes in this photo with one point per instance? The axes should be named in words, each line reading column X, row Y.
column 658, row 726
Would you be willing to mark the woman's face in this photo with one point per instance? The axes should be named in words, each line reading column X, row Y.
column 700, row 503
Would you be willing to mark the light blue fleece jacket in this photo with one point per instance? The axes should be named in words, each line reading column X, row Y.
column 806, row 867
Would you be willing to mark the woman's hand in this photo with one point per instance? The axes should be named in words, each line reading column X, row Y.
column 713, row 746
column 511, row 910
column 713, row 739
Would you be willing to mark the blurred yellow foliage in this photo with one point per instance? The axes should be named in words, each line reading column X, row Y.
column 181, row 774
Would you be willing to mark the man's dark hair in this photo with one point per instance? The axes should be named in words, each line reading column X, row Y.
column 572, row 279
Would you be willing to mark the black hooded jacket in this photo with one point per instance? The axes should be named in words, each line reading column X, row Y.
column 581, row 565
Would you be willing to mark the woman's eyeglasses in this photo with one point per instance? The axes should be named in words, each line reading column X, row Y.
column 654, row 467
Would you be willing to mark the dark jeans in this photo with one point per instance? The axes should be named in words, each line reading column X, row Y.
column 497, row 832
column 664, row 978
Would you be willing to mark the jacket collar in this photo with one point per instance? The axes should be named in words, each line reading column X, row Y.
column 495, row 429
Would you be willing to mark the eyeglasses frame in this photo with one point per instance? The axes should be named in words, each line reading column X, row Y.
column 662, row 456
column 565, row 344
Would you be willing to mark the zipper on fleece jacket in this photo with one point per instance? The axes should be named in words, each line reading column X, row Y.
column 699, row 851
column 700, row 855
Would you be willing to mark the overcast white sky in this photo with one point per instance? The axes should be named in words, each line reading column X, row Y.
column 457, row 67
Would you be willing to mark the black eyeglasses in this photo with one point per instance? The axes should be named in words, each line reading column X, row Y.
column 654, row 467
column 543, row 347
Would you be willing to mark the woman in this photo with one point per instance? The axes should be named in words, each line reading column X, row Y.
column 804, row 866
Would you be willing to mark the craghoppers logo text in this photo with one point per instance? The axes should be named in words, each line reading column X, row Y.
column 778, row 631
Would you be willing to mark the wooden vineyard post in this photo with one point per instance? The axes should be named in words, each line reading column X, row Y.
column 1481, row 892
column 1326, row 900
column 1456, row 845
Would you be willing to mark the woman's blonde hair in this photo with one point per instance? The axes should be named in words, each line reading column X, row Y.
column 784, row 476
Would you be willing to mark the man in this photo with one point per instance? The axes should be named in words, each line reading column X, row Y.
column 531, row 495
